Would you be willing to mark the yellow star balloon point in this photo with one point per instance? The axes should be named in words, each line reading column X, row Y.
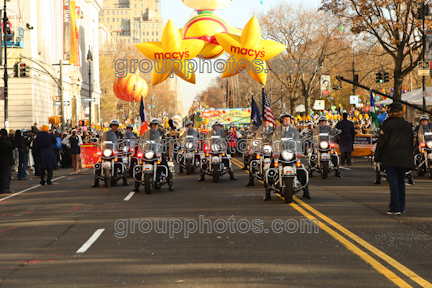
column 171, row 54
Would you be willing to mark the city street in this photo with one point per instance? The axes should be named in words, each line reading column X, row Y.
column 66, row 235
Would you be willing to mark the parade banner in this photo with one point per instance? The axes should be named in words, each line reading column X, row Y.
column 73, row 32
column 227, row 116
column 77, row 46
column 363, row 145
column 89, row 155
column 66, row 30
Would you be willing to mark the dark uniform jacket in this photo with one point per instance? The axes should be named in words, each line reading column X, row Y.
column 43, row 149
column 6, row 152
column 395, row 144
column 346, row 138
column 264, row 133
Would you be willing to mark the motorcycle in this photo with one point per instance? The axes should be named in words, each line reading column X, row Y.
column 189, row 157
column 215, row 161
column 323, row 157
column 261, row 160
column 150, row 171
column 286, row 175
column 110, row 166
column 423, row 159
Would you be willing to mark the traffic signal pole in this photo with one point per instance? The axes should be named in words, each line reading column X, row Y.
column 5, row 75
column 424, row 53
column 340, row 78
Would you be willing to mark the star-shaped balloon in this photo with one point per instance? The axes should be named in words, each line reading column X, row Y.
column 171, row 47
column 247, row 48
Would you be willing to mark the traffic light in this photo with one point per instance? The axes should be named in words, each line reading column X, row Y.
column 16, row 70
column 386, row 77
column 379, row 77
column 23, row 70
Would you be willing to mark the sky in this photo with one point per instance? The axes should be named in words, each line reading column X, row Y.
column 237, row 14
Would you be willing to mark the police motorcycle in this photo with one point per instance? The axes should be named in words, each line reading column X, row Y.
column 216, row 161
column 323, row 157
column 189, row 157
column 423, row 157
column 153, row 169
column 110, row 167
column 286, row 175
column 261, row 154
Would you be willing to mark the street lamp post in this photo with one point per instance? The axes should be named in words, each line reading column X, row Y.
column 90, row 60
column 5, row 77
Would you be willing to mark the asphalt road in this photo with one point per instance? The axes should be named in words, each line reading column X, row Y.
column 72, row 235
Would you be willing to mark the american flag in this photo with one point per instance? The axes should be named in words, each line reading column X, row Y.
column 267, row 112
column 143, row 124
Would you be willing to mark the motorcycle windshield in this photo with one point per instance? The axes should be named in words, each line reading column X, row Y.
column 428, row 136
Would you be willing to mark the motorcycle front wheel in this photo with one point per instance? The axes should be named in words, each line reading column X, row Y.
column 216, row 174
column 107, row 178
column 288, row 189
column 325, row 170
column 147, row 183
column 189, row 167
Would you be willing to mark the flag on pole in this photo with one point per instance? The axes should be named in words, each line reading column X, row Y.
column 255, row 114
column 267, row 112
column 374, row 119
column 143, row 124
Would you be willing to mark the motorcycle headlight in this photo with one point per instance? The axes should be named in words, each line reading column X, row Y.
column 267, row 149
column 149, row 155
column 107, row 152
column 324, row 145
column 429, row 144
column 287, row 155
column 189, row 145
column 125, row 149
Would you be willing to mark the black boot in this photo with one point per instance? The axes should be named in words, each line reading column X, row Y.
column 251, row 182
column 306, row 193
column 267, row 196
column 244, row 168
column 202, row 177
column 95, row 184
column 181, row 170
column 170, row 186
column 337, row 173
column 410, row 179
column 137, row 185
column 125, row 182
column 232, row 176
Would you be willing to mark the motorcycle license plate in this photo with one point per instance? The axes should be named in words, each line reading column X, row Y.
column 125, row 160
column 189, row 155
column 288, row 170
column 148, row 167
column 106, row 164
column 325, row 156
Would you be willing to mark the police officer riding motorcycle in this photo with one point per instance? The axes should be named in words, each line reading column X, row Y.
column 189, row 158
column 260, row 152
column 216, row 161
column 423, row 158
column 286, row 174
column 323, row 157
column 153, row 170
column 110, row 167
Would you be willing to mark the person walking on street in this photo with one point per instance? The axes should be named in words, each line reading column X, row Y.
column 346, row 139
column 75, row 141
column 43, row 150
column 6, row 161
column 57, row 148
column 23, row 145
column 394, row 150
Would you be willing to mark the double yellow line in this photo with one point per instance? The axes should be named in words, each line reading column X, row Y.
column 353, row 248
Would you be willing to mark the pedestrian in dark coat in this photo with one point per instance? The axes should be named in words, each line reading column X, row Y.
column 346, row 139
column 6, row 161
column 43, row 149
column 395, row 151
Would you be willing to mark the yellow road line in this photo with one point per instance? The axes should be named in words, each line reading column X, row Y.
column 407, row 272
column 368, row 259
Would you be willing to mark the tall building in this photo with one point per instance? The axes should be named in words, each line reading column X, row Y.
column 42, row 36
column 132, row 21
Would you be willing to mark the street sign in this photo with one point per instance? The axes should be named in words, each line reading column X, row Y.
column 58, row 103
column 90, row 99
column 319, row 105
column 354, row 99
column 325, row 85
column 423, row 68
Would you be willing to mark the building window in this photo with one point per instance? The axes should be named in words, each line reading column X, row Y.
column 122, row 12
column 108, row 12
column 143, row 33
column 110, row 29
column 157, row 33
column 147, row 33
column 107, row 20
column 152, row 33
column 117, row 12
column 142, row 6
column 156, row 28
column 147, row 26
column 118, row 20
column 135, row 13
column 152, row 26
column 135, row 6
column 113, row 19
